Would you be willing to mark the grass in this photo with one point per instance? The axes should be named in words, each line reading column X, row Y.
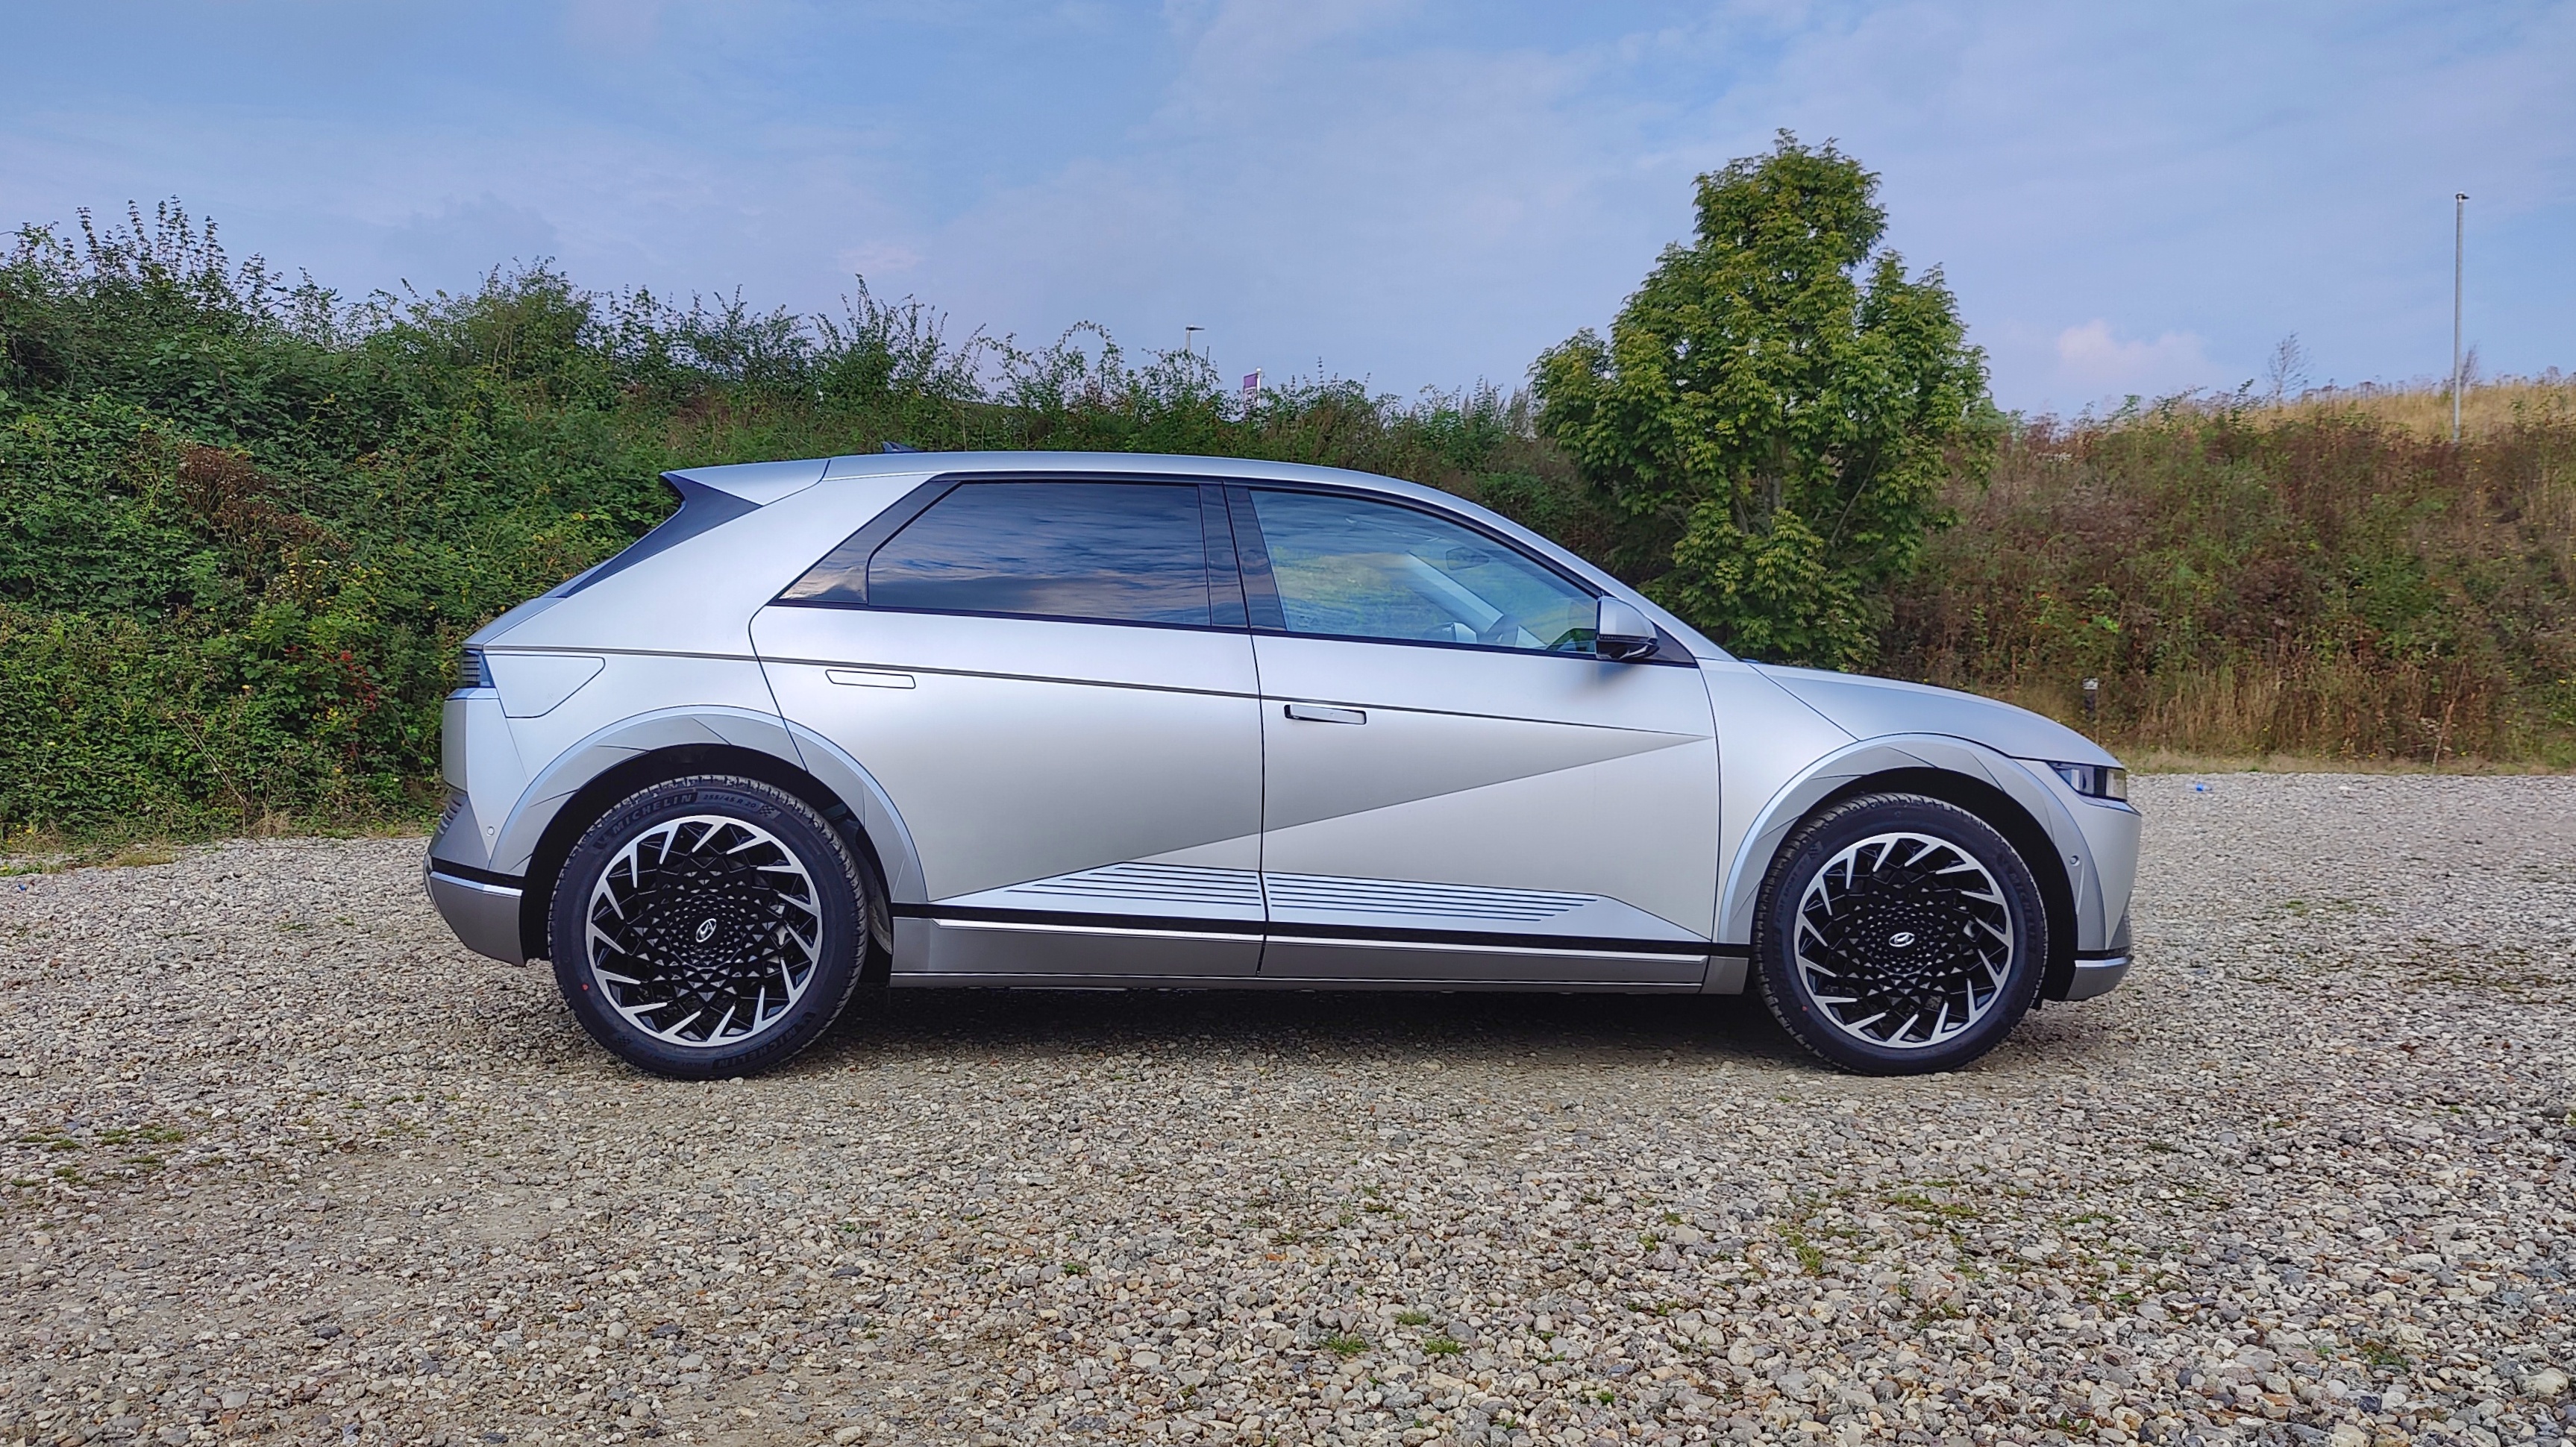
column 2487, row 409
column 1923, row 1205
column 1811, row 1260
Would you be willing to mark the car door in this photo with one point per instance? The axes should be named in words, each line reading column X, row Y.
column 1458, row 788
column 1052, row 682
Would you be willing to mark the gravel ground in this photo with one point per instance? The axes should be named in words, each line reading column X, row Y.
column 287, row 1163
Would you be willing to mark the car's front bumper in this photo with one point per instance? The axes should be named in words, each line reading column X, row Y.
column 2097, row 977
column 2099, row 972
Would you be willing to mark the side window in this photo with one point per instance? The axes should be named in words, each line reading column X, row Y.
column 1107, row 551
column 1357, row 568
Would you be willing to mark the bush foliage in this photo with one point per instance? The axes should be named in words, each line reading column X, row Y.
column 1775, row 425
column 244, row 522
column 2248, row 580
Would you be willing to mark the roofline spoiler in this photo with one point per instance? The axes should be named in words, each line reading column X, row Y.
column 757, row 483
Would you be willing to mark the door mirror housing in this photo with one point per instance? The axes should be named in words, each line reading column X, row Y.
column 1622, row 633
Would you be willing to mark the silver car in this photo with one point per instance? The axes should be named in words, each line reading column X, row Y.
column 1084, row 720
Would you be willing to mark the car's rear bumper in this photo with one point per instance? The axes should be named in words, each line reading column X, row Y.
column 485, row 916
column 481, row 906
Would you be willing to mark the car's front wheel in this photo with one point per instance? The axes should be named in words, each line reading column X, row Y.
column 708, row 926
column 1899, row 934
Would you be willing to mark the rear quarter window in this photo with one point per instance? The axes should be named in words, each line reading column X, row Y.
column 1093, row 551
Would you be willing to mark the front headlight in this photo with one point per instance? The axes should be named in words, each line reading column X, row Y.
column 2095, row 781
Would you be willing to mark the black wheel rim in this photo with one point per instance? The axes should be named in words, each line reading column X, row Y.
column 1903, row 941
column 704, row 932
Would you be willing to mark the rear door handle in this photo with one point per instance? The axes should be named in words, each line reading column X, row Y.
column 1317, row 713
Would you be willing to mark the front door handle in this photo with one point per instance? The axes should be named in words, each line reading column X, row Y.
column 868, row 678
column 1317, row 713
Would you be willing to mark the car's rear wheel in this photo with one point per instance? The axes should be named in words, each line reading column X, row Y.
column 1899, row 934
column 708, row 926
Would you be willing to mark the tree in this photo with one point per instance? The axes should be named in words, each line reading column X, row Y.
column 1777, row 425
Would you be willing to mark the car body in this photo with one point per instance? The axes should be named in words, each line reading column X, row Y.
column 1385, row 744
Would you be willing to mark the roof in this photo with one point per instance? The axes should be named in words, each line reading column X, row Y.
column 767, row 482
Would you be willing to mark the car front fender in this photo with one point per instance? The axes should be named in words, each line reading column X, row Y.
column 1836, row 771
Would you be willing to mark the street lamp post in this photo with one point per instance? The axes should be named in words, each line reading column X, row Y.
column 2459, row 265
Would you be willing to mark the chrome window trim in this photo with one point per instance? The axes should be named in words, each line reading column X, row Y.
column 849, row 607
column 1261, row 591
column 1251, row 560
column 876, row 532
column 1653, row 660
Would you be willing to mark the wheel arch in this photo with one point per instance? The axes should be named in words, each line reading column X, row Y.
column 591, row 778
column 1987, row 784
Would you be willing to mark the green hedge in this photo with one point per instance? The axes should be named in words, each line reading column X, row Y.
column 244, row 523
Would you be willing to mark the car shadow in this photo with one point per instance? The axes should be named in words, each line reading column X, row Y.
column 1351, row 1025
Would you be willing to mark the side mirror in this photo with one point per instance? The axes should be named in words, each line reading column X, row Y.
column 1622, row 633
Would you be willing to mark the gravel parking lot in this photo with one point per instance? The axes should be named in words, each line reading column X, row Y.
column 287, row 1163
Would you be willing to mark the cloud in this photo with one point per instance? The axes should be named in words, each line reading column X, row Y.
column 878, row 258
column 616, row 29
column 2091, row 361
column 461, row 238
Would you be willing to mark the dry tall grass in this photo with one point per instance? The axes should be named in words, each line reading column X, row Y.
column 2328, row 577
column 2487, row 409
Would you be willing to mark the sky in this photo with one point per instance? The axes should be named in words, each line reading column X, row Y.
column 1422, row 193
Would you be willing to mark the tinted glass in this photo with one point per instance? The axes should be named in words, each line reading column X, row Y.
column 1354, row 568
column 1114, row 551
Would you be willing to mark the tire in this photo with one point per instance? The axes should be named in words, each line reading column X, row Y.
column 1899, row 935
column 687, row 911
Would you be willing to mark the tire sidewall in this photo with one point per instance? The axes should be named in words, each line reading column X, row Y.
column 1812, row 846
column 838, row 883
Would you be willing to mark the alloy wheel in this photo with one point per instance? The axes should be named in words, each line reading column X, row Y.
column 1903, row 940
column 704, row 931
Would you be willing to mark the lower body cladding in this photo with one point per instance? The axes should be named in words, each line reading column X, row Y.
column 944, row 949
column 2099, row 972
column 2097, row 977
column 483, row 911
